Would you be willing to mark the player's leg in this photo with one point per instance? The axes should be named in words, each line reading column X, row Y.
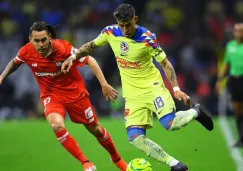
column 82, row 112
column 236, row 91
column 174, row 121
column 55, row 113
column 106, row 142
column 137, row 119
column 56, row 122
column 163, row 105
column 238, row 110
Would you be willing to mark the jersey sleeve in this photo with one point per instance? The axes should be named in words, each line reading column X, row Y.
column 102, row 39
column 70, row 50
column 82, row 61
column 20, row 57
column 156, row 52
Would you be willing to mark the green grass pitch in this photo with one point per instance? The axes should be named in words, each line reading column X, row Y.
column 32, row 146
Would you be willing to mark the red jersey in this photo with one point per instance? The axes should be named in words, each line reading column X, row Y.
column 67, row 87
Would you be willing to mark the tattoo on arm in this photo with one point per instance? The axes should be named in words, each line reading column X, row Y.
column 10, row 68
column 169, row 72
column 86, row 49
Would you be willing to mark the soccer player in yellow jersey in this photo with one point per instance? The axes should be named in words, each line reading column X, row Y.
column 143, row 88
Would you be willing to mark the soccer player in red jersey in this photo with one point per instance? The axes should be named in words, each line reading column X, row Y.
column 61, row 92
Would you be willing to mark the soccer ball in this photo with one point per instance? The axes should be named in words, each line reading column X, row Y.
column 139, row 164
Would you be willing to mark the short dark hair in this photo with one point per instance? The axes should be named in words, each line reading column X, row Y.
column 124, row 12
column 40, row 26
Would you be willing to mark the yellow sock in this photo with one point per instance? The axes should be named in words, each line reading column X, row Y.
column 183, row 118
column 152, row 149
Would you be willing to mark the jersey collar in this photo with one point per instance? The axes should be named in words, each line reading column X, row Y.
column 50, row 50
column 137, row 34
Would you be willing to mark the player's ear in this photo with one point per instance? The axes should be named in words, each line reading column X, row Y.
column 49, row 35
column 136, row 19
column 29, row 38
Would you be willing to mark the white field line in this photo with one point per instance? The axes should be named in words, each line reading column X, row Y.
column 235, row 152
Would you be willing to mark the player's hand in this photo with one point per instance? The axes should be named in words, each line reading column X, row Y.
column 1, row 79
column 182, row 96
column 67, row 64
column 109, row 92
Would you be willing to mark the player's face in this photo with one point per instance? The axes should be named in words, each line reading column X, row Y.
column 128, row 27
column 41, row 41
column 239, row 35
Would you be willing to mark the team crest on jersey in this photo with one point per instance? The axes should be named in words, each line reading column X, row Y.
column 124, row 48
column 58, row 63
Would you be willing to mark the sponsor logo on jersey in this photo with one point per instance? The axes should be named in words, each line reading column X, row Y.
column 127, row 64
column 34, row 65
column 124, row 48
column 47, row 74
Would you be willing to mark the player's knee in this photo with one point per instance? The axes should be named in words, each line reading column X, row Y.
column 95, row 129
column 167, row 120
column 138, row 142
column 134, row 133
column 57, row 126
column 56, row 121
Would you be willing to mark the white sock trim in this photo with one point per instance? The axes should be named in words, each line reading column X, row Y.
column 105, row 137
column 64, row 136
column 173, row 162
column 195, row 113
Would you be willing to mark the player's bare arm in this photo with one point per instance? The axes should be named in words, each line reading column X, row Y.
column 84, row 50
column 10, row 68
column 108, row 91
column 171, row 76
column 222, row 75
column 169, row 72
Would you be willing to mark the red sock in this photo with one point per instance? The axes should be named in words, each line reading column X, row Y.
column 69, row 143
column 106, row 141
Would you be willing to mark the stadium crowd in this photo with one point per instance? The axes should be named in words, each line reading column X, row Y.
column 193, row 34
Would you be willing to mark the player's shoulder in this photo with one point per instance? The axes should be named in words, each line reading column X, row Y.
column 60, row 42
column 113, row 29
column 61, row 45
column 143, row 29
column 144, row 35
column 232, row 43
column 28, row 48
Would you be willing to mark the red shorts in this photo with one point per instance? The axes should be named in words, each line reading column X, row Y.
column 80, row 111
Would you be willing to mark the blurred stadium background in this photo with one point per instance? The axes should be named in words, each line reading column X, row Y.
column 193, row 33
